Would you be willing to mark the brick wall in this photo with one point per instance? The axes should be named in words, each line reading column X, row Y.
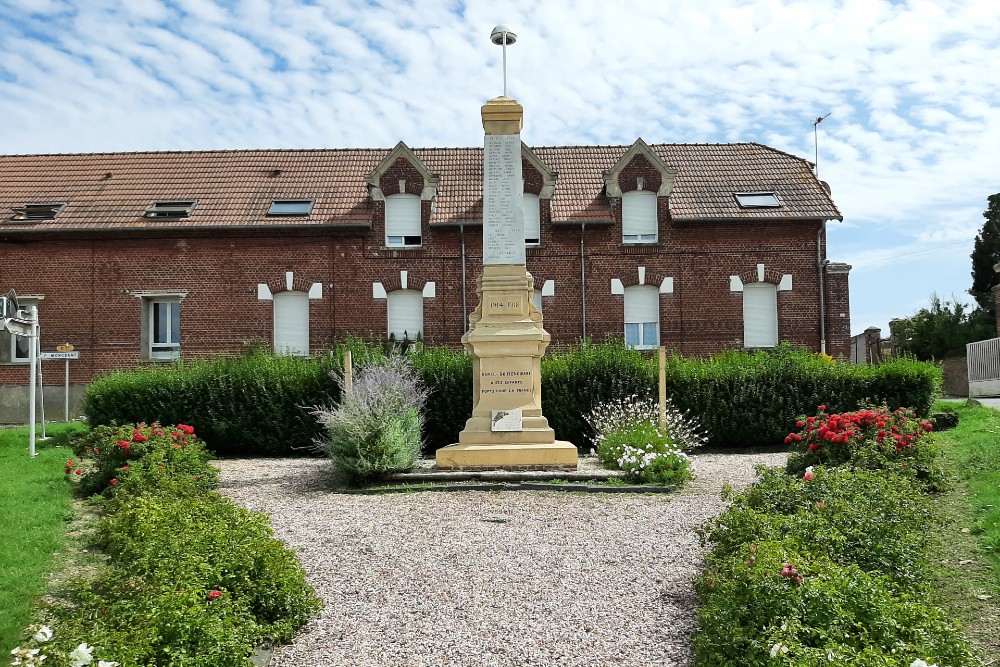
column 89, row 285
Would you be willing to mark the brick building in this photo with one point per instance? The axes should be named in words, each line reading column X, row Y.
column 139, row 257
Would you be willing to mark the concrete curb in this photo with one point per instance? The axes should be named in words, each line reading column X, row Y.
column 521, row 486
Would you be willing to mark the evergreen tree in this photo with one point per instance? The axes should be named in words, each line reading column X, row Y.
column 986, row 254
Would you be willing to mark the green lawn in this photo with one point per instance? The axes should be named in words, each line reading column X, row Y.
column 975, row 446
column 34, row 510
column 965, row 547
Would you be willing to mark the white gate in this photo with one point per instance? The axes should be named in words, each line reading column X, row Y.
column 984, row 367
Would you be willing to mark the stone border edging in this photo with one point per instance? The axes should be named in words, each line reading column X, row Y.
column 522, row 486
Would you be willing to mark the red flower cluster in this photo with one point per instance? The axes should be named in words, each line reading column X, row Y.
column 69, row 466
column 895, row 430
column 214, row 594
column 789, row 572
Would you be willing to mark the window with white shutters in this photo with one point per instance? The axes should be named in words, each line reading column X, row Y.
column 532, row 222
column 291, row 323
column 760, row 315
column 642, row 316
column 406, row 314
column 639, row 217
column 402, row 221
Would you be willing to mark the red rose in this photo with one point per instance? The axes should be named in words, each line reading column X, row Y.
column 214, row 594
column 821, row 408
column 124, row 467
column 123, row 444
column 96, row 450
column 800, row 423
column 813, row 447
column 113, row 481
column 79, row 472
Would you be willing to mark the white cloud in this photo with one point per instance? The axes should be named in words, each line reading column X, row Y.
column 910, row 147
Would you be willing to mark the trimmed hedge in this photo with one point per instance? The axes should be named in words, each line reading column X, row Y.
column 258, row 404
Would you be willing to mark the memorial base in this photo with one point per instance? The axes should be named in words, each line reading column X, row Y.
column 558, row 455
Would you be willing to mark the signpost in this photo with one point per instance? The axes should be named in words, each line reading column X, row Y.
column 24, row 322
column 65, row 352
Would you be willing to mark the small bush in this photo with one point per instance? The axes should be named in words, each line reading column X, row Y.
column 142, row 458
column 628, row 437
column 206, row 544
column 873, row 520
column 872, row 439
column 755, row 611
column 376, row 428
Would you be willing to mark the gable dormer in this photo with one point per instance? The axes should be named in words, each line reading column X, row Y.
column 637, row 187
column 402, row 172
column 539, row 178
column 403, row 190
column 639, row 169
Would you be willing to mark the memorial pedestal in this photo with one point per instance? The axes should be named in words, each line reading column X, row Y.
column 505, row 338
column 506, row 341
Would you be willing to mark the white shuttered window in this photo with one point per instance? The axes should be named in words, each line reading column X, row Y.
column 639, row 217
column 760, row 315
column 406, row 313
column 642, row 316
column 291, row 323
column 532, row 222
column 402, row 220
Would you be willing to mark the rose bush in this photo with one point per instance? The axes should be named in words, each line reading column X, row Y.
column 873, row 438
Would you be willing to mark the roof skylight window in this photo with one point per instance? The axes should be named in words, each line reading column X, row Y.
column 45, row 211
column 757, row 200
column 170, row 209
column 290, row 207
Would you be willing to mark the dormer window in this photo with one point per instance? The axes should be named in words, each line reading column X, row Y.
column 46, row 211
column 170, row 209
column 532, row 222
column 290, row 207
column 757, row 199
column 402, row 221
column 639, row 217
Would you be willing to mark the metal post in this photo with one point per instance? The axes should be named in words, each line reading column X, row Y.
column 505, row 63
column 66, row 397
column 33, row 363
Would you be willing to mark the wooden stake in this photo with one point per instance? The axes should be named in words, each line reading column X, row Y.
column 348, row 372
column 663, row 386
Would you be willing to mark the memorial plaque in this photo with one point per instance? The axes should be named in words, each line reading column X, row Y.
column 503, row 208
column 507, row 420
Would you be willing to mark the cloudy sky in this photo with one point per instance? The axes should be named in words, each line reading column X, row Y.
column 911, row 148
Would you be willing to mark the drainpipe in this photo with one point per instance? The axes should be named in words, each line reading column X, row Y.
column 820, row 268
column 583, row 278
column 465, row 312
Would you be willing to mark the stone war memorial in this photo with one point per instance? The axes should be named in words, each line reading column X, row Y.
column 505, row 339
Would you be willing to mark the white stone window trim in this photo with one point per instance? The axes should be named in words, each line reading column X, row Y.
column 736, row 283
column 666, row 285
column 264, row 292
column 378, row 289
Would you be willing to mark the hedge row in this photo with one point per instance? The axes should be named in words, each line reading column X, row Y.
column 254, row 404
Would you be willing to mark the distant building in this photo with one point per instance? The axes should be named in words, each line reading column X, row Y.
column 141, row 257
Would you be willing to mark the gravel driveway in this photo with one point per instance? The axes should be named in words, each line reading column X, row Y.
column 490, row 578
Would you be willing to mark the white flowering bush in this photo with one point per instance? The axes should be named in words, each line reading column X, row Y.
column 628, row 437
column 38, row 649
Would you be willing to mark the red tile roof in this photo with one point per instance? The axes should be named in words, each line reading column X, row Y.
column 235, row 188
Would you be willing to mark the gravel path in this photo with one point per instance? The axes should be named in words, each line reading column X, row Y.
column 490, row 578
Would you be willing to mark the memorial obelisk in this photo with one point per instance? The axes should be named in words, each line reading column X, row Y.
column 506, row 340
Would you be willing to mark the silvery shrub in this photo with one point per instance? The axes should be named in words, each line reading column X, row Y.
column 376, row 428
